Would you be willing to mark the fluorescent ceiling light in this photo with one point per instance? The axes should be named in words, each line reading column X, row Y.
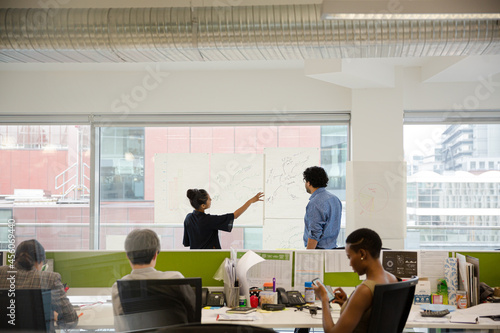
column 411, row 9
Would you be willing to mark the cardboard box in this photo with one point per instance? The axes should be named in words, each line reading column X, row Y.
column 423, row 292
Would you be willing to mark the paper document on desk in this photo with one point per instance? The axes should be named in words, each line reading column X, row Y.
column 417, row 317
column 463, row 318
column 239, row 317
column 483, row 309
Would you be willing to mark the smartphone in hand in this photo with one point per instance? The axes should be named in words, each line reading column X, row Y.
column 331, row 295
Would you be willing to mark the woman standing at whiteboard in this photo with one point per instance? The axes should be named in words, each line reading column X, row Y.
column 201, row 231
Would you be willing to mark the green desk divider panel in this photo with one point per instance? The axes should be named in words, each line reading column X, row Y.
column 202, row 264
column 489, row 272
column 343, row 279
column 98, row 269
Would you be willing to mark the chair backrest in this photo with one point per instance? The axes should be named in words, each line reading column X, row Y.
column 158, row 303
column 28, row 310
column 213, row 328
column 391, row 306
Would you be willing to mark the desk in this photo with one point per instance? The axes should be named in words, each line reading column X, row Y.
column 288, row 318
column 415, row 320
column 101, row 316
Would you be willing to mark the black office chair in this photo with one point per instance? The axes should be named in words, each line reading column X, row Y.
column 157, row 303
column 213, row 328
column 33, row 310
column 391, row 306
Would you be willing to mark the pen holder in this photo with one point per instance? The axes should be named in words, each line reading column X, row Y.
column 232, row 296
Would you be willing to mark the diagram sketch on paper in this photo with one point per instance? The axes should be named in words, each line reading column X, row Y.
column 235, row 178
column 175, row 175
column 373, row 198
column 378, row 191
column 286, row 196
column 283, row 234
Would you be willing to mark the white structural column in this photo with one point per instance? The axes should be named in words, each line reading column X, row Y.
column 377, row 153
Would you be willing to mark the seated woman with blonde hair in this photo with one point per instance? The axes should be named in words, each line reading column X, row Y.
column 363, row 250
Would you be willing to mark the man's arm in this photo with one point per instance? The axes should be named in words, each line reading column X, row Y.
column 316, row 225
column 311, row 244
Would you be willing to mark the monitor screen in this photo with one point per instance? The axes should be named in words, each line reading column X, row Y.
column 158, row 303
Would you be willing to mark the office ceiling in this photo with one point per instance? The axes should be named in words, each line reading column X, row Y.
column 245, row 32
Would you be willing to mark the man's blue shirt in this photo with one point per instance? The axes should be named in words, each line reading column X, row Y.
column 322, row 219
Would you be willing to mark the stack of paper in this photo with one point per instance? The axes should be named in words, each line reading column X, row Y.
column 468, row 268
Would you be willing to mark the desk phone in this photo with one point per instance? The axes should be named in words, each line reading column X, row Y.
column 214, row 298
column 290, row 298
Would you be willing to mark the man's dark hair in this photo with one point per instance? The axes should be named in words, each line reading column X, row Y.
column 366, row 239
column 141, row 246
column 316, row 176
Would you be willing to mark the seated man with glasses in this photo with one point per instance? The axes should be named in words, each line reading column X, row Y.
column 142, row 247
column 30, row 259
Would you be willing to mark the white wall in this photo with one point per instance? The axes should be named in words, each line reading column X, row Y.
column 484, row 93
column 159, row 91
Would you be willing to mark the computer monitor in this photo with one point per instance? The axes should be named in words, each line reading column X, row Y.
column 158, row 303
column 32, row 310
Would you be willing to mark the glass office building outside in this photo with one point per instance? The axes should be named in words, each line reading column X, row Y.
column 453, row 186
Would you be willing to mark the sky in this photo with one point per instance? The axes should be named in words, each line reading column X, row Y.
column 421, row 139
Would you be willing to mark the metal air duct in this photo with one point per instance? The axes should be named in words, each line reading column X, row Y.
column 285, row 32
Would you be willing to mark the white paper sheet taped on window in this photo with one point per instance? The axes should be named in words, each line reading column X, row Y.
column 286, row 196
column 283, row 234
column 235, row 178
column 174, row 175
column 377, row 197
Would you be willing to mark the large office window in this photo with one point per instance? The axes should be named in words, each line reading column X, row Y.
column 453, row 186
column 127, row 171
column 47, row 170
column 44, row 184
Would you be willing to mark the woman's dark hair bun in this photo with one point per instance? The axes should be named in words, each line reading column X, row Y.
column 191, row 194
column 197, row 197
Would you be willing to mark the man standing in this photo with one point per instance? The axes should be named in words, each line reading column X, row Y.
column 323, row 212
